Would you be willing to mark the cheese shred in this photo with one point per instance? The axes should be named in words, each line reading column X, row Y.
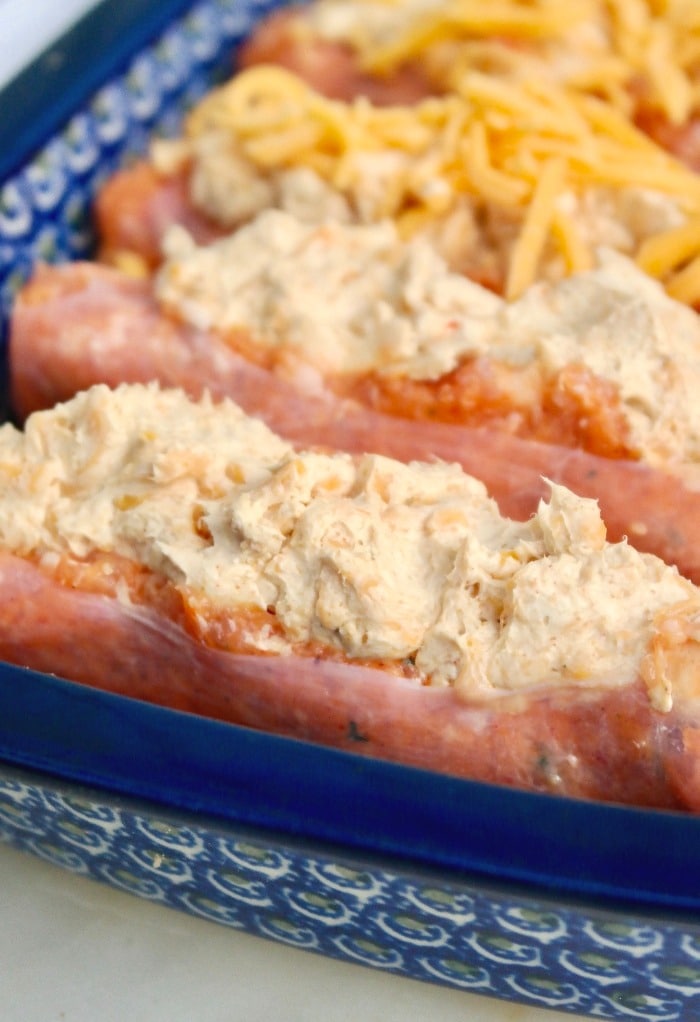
column 534, row 113
column 533, row 236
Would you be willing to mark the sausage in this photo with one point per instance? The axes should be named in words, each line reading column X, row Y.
column 135, row 207
column 81, row 324
column 331, row 68
column 605, row 745
column 682, row 140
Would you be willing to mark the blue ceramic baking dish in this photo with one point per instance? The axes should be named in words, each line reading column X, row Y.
column 552, row 902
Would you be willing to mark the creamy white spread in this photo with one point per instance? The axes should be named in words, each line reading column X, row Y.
column 623, row 326
column 351, row 298
column 620, row 218
column 348, row 298
column 231, row 189
column 371, row 556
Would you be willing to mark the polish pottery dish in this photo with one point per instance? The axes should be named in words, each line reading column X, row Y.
column 538, row 899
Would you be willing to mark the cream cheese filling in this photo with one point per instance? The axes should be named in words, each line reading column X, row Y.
column 367, row 555
column 351, row 298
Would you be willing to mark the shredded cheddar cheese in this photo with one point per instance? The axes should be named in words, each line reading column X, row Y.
column 575, row 253
column 662, row 253
column 517, row 147
column 684, row 285
column 543, row 18
column 533, row 236
column 597, row 45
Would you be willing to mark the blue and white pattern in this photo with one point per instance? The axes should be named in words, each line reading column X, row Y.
column 45, row 207
column 585, row 961
column 582, row 961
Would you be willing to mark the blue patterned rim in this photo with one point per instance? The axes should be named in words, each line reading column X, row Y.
column 509, row 946
column 62, row 133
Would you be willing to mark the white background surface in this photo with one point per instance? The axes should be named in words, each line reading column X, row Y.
column 27, row 26
column 72, row 950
